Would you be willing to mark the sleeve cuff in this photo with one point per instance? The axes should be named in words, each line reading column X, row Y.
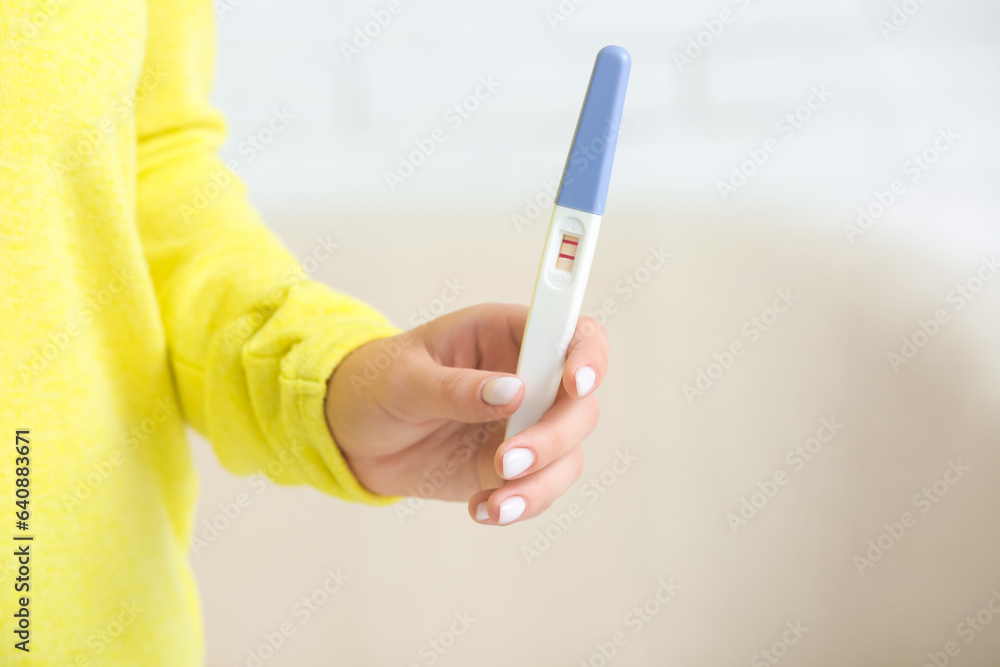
column 304, row 384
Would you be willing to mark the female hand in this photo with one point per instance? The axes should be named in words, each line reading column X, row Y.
column 423, row 413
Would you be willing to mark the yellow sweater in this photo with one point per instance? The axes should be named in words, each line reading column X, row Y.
column 138, row 290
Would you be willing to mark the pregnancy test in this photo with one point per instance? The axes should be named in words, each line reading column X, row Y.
column 571, row 239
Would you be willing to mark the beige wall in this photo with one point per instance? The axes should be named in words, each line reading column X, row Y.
column 664, row 518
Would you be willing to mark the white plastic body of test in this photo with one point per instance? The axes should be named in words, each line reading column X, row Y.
column 552, row 317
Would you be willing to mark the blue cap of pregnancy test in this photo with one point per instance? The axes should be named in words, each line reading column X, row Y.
column 587, row 174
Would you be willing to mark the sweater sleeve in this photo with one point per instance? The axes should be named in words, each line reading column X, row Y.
column 251, row 341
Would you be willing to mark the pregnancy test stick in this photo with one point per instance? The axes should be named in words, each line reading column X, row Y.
column 572, row 237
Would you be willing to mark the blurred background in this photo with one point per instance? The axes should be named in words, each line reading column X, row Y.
column 829, row 496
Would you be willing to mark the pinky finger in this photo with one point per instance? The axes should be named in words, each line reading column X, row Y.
column 529, row 496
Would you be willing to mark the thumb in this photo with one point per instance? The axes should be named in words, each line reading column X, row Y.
column 426, row 389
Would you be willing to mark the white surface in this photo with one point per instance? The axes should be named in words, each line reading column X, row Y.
column 683, row 131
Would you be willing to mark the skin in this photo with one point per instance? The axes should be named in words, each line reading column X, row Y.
column 422, row 416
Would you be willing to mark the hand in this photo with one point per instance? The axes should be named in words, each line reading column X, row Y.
column 431, row 421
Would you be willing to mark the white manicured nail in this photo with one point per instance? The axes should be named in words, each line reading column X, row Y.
column 481, row 513
column 500, row 391
column 516, row 461
column 585, row 379
column 511, row 509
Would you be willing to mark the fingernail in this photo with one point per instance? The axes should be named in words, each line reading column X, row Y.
column 500, row 391
column 481, row 513
column 511, row 509
column 585, row 378
column 516, row 461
